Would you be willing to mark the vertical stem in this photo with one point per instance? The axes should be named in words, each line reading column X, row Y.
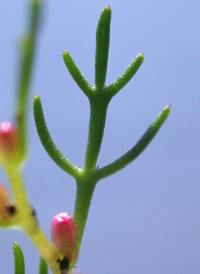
column 98, row 110
column 85, row 189
column 27, row 58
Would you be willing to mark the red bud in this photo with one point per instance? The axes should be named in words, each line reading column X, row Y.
column 8, row 139
column 64, row 236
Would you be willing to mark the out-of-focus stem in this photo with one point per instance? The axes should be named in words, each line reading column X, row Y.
column 26, row 63
column 25, row 221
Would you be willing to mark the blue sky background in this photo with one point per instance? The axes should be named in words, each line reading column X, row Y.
column 146, row 218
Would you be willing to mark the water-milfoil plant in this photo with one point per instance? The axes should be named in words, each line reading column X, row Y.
column 61, row 255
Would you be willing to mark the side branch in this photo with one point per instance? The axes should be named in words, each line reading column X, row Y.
column 76, row 74
column 132, row 154
column 126, row 76
column 48, row 143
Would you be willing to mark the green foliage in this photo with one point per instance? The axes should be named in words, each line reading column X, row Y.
column 43, row 268
column 19, row 259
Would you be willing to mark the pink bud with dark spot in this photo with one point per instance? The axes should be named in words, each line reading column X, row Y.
column 8, row 139
column 64, row 236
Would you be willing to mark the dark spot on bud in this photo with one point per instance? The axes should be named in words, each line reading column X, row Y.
column 102, row 25
column 64, row 264
column 11, row 209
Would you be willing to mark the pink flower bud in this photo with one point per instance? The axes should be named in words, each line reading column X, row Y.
column 64, row 236
column 8, row 139
column 4, row 201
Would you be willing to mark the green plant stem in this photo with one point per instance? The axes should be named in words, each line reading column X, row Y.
column 99, row 97
column 86, row 181
column 98, row 110
column 85, row 188
column 25, row 221
column 27, row 57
